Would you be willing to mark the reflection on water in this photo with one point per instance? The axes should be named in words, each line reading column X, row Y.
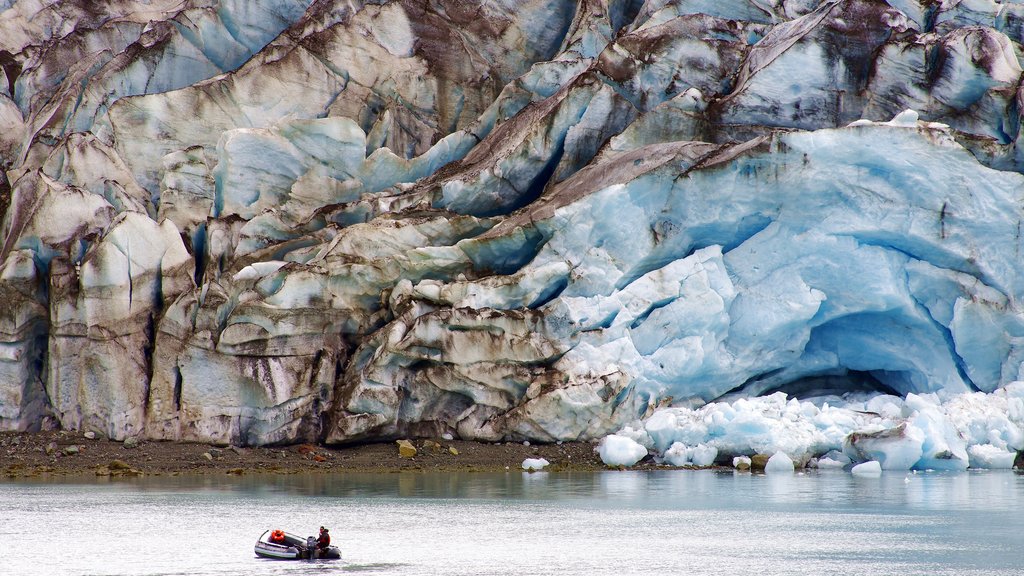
column 519, row 523
column 687, row 489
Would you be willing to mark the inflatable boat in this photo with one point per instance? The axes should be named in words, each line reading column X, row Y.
column 280, row 545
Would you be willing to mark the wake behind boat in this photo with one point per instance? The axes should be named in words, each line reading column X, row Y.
column 280, row 545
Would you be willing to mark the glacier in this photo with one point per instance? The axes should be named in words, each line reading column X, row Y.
column 692, row 230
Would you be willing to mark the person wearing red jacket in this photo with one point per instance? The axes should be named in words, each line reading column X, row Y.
column 324, row 541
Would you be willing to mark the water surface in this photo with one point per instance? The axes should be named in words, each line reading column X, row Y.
column 605, row 523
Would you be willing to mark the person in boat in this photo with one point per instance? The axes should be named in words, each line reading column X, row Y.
column 324, row 541
column 277, row 537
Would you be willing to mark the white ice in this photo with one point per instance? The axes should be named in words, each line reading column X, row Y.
column 619, row 450
column 779, row 462
column 682, row 455
column 869, row 468
column 919, row 432
column 532, row 464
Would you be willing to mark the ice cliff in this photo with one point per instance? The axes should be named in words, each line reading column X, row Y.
column 339, row 221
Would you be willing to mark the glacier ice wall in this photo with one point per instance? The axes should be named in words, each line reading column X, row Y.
column 344, row 221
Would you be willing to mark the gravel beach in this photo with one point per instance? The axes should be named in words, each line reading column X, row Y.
column 41, row 454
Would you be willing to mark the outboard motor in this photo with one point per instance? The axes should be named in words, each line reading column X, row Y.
column 311, row 547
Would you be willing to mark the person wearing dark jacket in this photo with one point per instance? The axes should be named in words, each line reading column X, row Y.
column 324, row 541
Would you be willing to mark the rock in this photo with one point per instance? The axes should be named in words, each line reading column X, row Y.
column 431, row 446
column 208, row 456
column 759, row 461
column 51, row 448
column 118, row 465
column 236, row 471
column 90, row 435
column 132, row 442
column 71, row 450
column 453, row 451
column 405, row 448
column 742, row 463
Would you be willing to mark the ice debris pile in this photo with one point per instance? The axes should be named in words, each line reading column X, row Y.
column 920, row 432
column 342, row 221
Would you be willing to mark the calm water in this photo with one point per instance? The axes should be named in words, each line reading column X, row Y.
column 613, row 523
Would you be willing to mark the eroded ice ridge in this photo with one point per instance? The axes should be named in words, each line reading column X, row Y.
column 344, row 221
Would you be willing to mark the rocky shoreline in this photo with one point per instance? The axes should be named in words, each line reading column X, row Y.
column 69, row 454
column 62, row 455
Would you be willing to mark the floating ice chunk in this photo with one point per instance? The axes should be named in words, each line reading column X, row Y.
column 620, row 451
column 741, row 462
column 779, row 462
column 869, row 468
column 532, row 464
column 989, row 456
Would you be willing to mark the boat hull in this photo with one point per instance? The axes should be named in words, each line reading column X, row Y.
column 294, row 548
column 277, row 551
